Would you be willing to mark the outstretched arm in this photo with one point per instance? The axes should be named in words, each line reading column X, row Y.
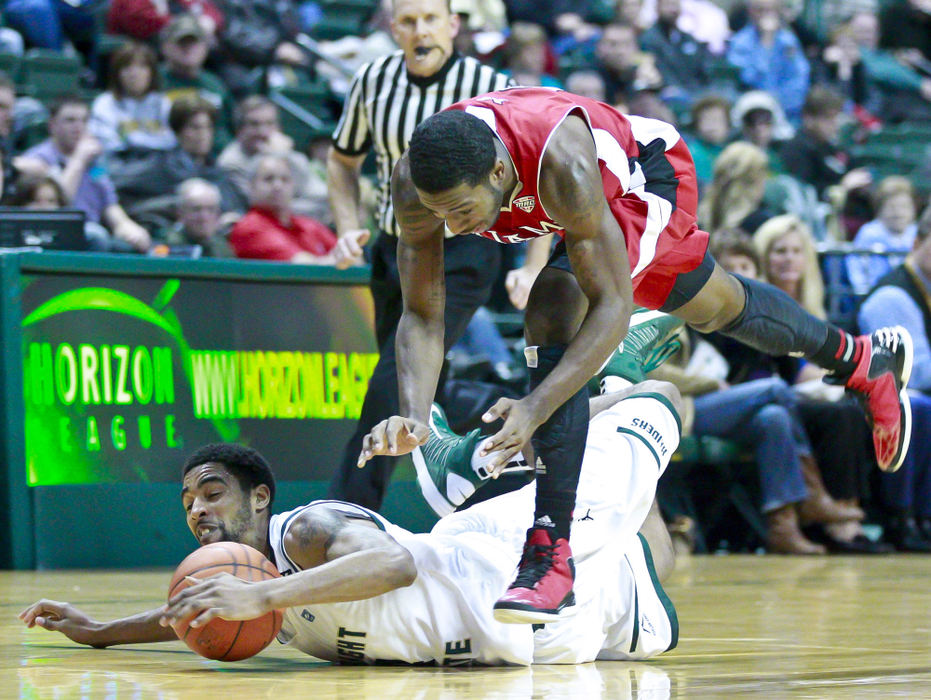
column 78, row 627
column 342, row 558
column 419, row 339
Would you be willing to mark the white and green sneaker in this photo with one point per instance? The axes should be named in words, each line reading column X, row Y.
column 446, row 471
column 649, row 342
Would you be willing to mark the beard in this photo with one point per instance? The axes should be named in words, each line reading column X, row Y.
column 239, row 526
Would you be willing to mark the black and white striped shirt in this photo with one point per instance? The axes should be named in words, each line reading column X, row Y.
column 385, row 104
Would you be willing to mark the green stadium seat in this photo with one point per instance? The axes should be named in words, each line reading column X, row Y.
column 10, row 63
column 343, row 18
column 724, row 73
column 49, row 74
column 330, row 28
column 304, row 111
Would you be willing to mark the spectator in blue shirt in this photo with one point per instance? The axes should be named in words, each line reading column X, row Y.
column 903, row 297
column 770, row 57
column 892, row 231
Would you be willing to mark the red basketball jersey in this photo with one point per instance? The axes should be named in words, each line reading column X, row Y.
column 646, row 170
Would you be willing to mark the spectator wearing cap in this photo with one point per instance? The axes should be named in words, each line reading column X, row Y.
column 761, row 121
column 185, row 46
column 144, row 19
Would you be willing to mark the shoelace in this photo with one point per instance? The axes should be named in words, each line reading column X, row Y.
column 888, row 339
column 438, row 448
column 659, row 355
column 642, row 335
column 534, row 565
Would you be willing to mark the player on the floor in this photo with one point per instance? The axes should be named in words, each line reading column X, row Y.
column 451, row 467
column 621, row 193
column 360, row 589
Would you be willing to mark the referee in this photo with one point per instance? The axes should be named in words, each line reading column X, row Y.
column 388, row 98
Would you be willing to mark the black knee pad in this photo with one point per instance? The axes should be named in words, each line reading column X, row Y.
column 774, row 323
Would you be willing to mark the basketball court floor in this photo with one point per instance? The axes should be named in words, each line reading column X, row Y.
column 750, row 627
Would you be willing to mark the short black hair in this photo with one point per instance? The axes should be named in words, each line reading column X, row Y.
column 247, row 465
column 448, row 149
column 66, row 100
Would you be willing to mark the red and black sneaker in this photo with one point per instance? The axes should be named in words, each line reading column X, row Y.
column 543, row 586
column 879, row 382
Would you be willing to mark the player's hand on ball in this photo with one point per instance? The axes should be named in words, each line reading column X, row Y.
column 395, row 436
column 223, row 595
column 62, row 617
column 520, row 422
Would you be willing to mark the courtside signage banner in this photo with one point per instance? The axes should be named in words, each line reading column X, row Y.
column 123, row 377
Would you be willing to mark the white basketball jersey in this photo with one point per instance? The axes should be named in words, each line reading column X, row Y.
column 444, row 617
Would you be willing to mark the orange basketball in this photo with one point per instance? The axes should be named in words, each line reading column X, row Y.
column 226, row 640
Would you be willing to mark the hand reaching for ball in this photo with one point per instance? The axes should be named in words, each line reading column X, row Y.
column 222, row 595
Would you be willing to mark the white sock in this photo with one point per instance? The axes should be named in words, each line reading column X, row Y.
column 610, row 384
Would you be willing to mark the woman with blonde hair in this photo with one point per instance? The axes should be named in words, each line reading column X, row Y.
column 734, row 198
column 835, row 426
column 790, row 262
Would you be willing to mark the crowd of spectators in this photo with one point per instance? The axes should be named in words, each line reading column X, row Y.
column 807, row 120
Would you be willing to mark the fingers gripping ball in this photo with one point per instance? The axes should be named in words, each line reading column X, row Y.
column 226, row 640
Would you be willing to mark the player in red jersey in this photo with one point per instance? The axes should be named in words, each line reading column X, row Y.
column 621, row 193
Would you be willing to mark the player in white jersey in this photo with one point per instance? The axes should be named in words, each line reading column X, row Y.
column 362, row 590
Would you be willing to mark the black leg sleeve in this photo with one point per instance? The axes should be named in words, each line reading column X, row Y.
column 774, row 323
column 559, row 445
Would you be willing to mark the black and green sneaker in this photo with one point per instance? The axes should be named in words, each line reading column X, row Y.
column 649, row 342
column 444, row 465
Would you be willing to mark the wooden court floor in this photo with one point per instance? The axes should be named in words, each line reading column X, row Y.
column 760, row 627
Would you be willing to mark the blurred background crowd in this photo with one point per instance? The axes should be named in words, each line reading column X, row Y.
column 202, row 129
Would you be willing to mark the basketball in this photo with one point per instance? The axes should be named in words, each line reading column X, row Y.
column 226, row 640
